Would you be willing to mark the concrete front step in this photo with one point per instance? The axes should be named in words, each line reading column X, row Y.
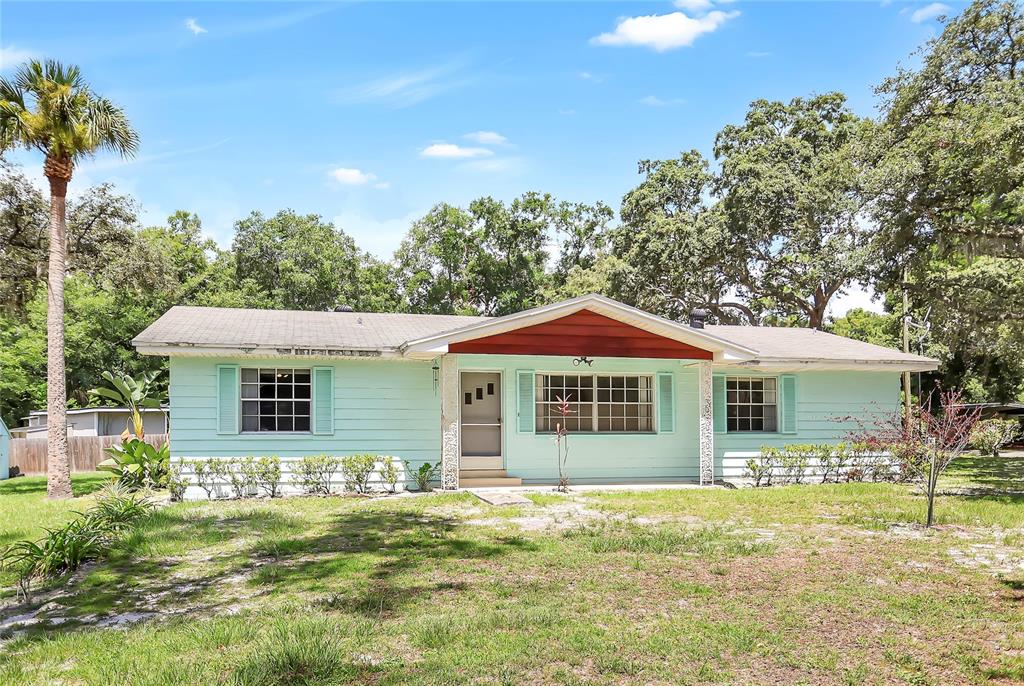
column 482, row 473
column 483, row 478
column 489, row 482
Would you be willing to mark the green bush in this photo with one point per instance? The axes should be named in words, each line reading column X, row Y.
column 242, row 476
column 356, row 470
column 759, row 471
column 860, row 459
column 989, row 435
column 771, row 458
column 204, row 475
column 220, row 470
column 267, row 474
column 795, row 460
column 832, row 459
column 424, row 476
column 314, row 473
column 138, row 464
column 389, row 473
column 176, row 483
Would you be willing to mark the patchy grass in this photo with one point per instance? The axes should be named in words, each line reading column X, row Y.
column 25, row 511
column 793, row 585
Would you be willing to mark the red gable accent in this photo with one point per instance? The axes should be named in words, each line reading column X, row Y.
column 582, row 333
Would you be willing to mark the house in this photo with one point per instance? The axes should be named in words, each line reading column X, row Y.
column 94, row 421
column 652, row 400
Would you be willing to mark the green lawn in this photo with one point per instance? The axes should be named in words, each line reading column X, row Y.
column 802, row 584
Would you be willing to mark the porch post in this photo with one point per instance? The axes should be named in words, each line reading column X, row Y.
column 449, row 422
column 707, row 424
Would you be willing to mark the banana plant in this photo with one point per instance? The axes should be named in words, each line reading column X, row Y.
column 134, row 394
column 138, row 464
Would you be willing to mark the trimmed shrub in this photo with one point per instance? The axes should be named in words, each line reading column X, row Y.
column 177, row 484
column 267, row 475
column 242, row 476
column 204, row 474
column 356, row 470
column 313, row 473
column 989, row 435
column 832, row 459
column 758, row 471
column 389, row 473
column 795, row 461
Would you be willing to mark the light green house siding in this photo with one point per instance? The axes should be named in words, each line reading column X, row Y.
column 823, row 402
column 389, row 407
column 601, row 457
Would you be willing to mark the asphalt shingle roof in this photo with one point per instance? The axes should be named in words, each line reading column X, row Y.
column 231, row 327
column 793, row 343
column 241, row 328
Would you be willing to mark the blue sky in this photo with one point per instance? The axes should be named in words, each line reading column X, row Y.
column 370, row 113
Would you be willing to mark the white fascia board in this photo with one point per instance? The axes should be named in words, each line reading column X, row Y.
column 797, row 365
column 291, row 353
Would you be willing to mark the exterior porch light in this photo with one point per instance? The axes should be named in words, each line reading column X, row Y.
column 437, row 380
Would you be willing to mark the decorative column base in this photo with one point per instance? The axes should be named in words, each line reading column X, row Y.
column 449, row 422
column 707, row 424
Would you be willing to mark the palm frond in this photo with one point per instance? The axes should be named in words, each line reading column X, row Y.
column 108, row 127
column 48, row 105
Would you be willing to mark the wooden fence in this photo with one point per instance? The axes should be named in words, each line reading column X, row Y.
column 29, row 454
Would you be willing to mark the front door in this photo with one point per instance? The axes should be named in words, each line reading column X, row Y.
column 481, row 420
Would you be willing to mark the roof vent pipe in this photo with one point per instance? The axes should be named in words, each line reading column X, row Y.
column 697, row 318
column 343, row 308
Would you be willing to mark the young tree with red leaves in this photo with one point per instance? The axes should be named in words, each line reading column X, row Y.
column 927, row 444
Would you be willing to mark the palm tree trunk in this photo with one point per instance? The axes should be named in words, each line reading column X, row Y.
column 58, row 481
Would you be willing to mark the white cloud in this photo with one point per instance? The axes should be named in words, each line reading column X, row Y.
column 655, row 101
column 693, row 6
column 929, row 12
column 661, row 32
column 486, row 138
column 759, row 54
column 193, row 26
column 348, row 176
column 11, row 56
column 453, row 151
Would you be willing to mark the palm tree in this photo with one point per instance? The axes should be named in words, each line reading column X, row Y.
column 48, row 107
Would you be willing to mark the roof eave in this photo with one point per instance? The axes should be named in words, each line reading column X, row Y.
column 823, row 364
column 167, row 349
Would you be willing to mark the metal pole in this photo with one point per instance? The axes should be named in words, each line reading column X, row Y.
column 906, row 349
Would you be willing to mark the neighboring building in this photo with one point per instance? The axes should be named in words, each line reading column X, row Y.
column 94, row 421
column 652, row 400
column 5, row 451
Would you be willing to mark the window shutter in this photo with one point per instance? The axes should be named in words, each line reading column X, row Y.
column 524, row 404
column 787, row 420
column 666, row 403
column 323, row 400
column 718, row 404
column 227, row 399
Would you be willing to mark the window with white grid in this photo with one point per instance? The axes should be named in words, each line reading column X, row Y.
column 609, row 403
column 751, row 403
column 275, row 399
